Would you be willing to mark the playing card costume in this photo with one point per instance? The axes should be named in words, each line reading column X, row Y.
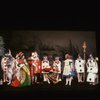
column 79, row 66
column 35, row 67
column 46, row 68
column 57, row 68
column 68, row 69
column 21, row 75
column 92, row 70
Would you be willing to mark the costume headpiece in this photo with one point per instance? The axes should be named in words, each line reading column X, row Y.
column 20, row 54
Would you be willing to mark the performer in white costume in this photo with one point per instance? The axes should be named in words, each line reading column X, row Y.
column 92, row 70
column 46, row 68
column 57, row 68
column 8, row 64
column 68, row 69
column 79, row 66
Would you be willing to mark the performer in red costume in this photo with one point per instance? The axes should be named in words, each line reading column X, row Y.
column 35, row 67
column 57, row 68
column 21, row 75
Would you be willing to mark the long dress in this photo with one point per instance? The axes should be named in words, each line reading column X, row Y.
column 22, row 74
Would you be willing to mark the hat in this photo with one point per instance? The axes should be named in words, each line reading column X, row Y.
column 20, row 54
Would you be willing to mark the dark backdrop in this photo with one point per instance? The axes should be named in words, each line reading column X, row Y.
column 51, row 42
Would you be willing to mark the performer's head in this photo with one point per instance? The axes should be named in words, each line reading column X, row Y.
column 45, row 57
column 79, row 56
column 67, row 56
column 50, row 57
column 91, row 57
column 34, row 54
column 8, row 54
column 57, row 58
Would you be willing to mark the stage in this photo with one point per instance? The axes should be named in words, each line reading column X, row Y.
column 53, row 91
column 49, row 91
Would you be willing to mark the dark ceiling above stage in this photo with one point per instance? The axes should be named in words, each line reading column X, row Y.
column 72, row 22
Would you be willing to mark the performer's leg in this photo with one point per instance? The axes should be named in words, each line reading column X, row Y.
column 90, row 83
column 70, row 80
column 59, row 77
column 96, row 79
column 41, row 78
column 93, row 83
column 78, row 76
column 67, row 81
column 9, row 82
column 81, row 77
column 32, row 75
column 9, row 78
column 1, row 82
column 44, row 77
column 35, row 78
column 48, row 80
column 32, row 79
column 4, row 77
column 38, row 77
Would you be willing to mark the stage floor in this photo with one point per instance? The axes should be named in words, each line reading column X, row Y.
column 53, row 91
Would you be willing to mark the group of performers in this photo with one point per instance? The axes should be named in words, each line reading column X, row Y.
column 21, row 72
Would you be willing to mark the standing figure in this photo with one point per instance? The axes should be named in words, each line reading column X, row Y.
column 68, row 69
column 57, row 68
column 50, row 58
column 92, row 71
column 8, row 64
column 46, row 68
column 21, row 75
column 35, row 67
column 79, row 66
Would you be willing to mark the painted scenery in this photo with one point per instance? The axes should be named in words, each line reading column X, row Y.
column 52, row 42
